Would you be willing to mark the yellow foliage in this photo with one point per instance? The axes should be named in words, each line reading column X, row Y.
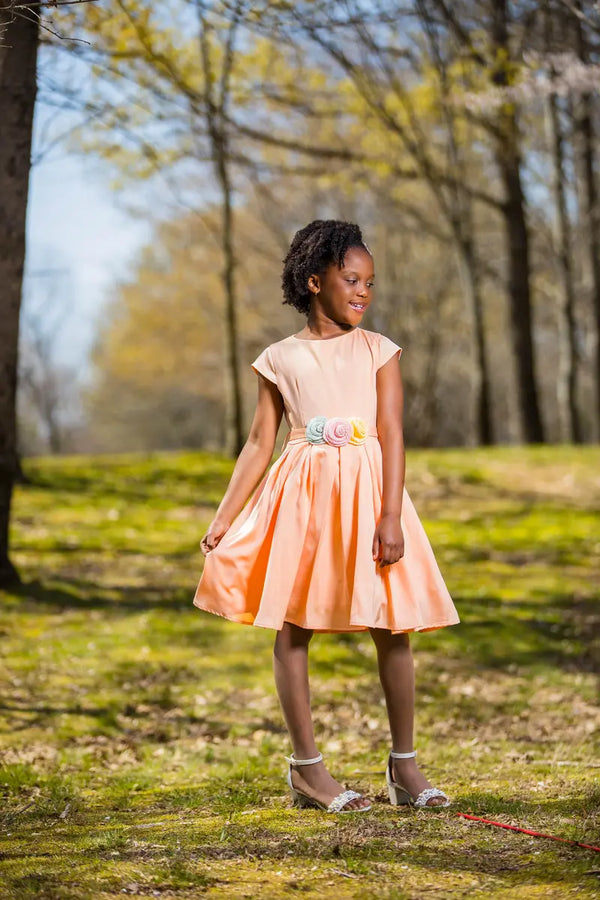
column 164, row 330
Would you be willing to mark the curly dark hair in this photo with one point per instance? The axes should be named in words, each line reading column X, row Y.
column 313, row 249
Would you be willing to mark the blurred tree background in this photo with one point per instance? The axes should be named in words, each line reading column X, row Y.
column 461, row 137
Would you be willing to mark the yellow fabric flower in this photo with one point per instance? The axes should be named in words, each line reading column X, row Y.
column 359, row 430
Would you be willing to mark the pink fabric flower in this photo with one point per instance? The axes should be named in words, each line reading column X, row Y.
column 337, row 431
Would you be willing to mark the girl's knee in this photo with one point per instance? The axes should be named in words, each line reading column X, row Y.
column 292, row 636
column 385, row 639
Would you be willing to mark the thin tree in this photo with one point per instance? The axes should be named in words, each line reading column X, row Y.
column 588, row 164
column 568, row 351
column 508, row 155
column 43, row 383
column 461, row 215
column 216, row 99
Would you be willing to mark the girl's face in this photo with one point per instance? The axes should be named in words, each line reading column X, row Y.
column 346, row 293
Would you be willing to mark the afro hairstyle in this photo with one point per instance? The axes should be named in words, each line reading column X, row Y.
column 313, row 249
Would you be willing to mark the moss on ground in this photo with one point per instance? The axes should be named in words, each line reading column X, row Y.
column 142, row 745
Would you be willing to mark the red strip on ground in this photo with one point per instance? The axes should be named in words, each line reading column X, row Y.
column 527, row 831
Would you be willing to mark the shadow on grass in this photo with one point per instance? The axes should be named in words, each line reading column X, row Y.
column 142, row 479
column 141, row 728
column 558, row 630
column 486, row 805
column 89, row 553
column 86, row 594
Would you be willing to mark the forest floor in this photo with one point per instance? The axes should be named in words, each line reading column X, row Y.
column 142, row 746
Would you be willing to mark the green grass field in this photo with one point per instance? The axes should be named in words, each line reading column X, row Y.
column 142, row 744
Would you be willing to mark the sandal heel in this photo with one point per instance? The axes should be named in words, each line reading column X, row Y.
column 302, row 801
column 398, row 796
column 298, row 798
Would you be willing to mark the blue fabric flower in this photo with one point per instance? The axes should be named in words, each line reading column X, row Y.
column 314, row 429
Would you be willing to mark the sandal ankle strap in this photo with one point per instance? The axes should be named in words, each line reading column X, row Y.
column 304, row 762
column 395, row 755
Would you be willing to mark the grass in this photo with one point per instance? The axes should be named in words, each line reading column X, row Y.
column 141, row 741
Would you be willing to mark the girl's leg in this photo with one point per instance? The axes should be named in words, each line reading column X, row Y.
column 397, row 674
column 290, row 665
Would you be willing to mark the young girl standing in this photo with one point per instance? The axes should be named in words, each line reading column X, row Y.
column 329, row 540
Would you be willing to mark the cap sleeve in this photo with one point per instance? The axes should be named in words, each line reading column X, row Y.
column 387, row 349
column 264, row 364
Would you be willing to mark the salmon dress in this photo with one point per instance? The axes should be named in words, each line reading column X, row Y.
column 300, row 550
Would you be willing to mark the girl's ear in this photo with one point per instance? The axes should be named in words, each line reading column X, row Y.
column 313, row 284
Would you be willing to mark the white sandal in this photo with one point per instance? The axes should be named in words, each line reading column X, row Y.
column 336, row 805
column 399, row 796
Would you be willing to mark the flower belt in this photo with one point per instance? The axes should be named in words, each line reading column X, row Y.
column 335, row 430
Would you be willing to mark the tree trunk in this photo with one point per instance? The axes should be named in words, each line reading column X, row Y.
column 18, row 60
column 569, row 357
column 468, row 267
column 587, row 166
column 231, row 300
column 508, row 160
column 453, row 201
column 460, row 214
column 215, row 107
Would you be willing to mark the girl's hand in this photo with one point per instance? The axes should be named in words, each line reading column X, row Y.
column 216, row 530
column 388, row 540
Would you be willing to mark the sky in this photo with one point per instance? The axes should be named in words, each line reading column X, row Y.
column 80, row 239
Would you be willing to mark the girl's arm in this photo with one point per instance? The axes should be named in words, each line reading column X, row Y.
column 388, row 536
column 251, row 464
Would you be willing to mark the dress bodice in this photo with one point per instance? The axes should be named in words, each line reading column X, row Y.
column 331, row 377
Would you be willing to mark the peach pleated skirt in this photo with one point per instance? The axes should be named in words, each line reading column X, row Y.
column 300, row 551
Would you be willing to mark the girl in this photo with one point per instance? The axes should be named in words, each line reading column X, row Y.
column 329, row 540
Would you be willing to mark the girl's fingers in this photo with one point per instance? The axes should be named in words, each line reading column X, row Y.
column 375, row 548
column 391, row 554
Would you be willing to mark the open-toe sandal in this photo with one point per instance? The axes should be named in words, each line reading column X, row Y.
column 338, row 803
column 399, row 796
